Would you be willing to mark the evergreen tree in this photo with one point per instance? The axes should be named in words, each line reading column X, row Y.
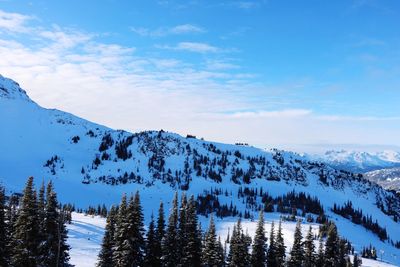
column 139, row 230
column 106, row 252
column 50, row 228
column 151, row 259
column 192, row 250
column 182, row 236
column 332, row 247
column 121, row 235
column 170, row 241
column 26, row 232
column 280, row 247
column 212, row 247
column 259, row 251
column 309, row 249
column 3, row 230
column 321, row 253
column 42, row 229
column 159, row 235
column 271, row 255
column 63, row 247
column 134, row 243
column 297, row 253
column 357, row 261
column 342, row 256
column 221, row 252
column 238, row 253
column 11, row 218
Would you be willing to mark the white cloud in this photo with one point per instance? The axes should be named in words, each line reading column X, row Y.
column 13, row 21
column 286, row 113
column 221, row 65
column 355, row 118
column 192, row 47
column 186, row 28
column 113, row 85
column 165, row 31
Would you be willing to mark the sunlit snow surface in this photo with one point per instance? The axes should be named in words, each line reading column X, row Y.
column 86, row 233
column 84, row 236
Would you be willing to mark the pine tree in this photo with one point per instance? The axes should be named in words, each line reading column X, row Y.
column 221, row 252
column 26, row 232
column 297, row 253
column 271, row 255
column 121, row 235
column 63, row 247
column 139, row 228
column 357, row 261
column 342, row 256
column 170, row 241
column 151, row 259
column 259, row 251
column 309, row 249
column 238, row 253
column 332, row 247
column 3, row 230
column 280, row 247
column 159, row 235
column 192, row 250
column 42, row 230
column 50, row 228
column 321, row 253
column 211, row 255
column 11, row 218
column 134, row 244
column 182, row 238
column 106, row 252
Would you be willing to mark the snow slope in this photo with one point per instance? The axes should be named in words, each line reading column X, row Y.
column 86, row 232
column 83, row 159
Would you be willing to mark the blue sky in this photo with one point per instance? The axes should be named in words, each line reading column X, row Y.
column 292, row 74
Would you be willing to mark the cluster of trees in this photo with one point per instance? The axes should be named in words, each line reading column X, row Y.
column 121, row 148
column 179, row 241
column 369, row 252
column 32, row 228
column 356, row 216
column 293, row 203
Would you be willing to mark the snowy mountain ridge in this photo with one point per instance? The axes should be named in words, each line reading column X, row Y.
column 358, row 161
column 91, row 164
column 387, row 178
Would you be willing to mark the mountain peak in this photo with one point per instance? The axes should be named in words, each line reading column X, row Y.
column 10, row 89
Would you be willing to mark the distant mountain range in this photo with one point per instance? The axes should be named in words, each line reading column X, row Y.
column 380, row 167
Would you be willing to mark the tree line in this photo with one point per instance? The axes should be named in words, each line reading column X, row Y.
column 33, row 228
column 179, row 241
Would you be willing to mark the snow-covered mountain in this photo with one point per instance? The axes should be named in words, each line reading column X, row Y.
column 359, row 162
column 387, row 178
column 379, row 167
column 91, row 164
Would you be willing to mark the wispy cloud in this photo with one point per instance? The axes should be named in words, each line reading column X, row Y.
column 117, row 86
column 192, row 47
column 13, row 21
column 246, row 4
column 286, row 113
column 221, row 65
column 355, row 118
column 165, row 31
